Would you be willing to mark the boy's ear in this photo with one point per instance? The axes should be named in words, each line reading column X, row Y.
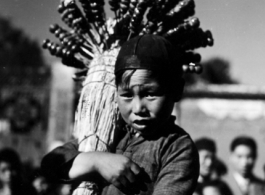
column 179, row 90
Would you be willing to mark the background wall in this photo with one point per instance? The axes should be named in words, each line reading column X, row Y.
column 223, row 119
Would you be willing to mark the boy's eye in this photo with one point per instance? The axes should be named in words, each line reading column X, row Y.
column 151, row 95
column 126, row 95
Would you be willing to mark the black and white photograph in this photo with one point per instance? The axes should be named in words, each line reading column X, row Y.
column 132, row 97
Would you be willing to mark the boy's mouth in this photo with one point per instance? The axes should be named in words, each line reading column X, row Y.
column 140, row 124
column 140, row 121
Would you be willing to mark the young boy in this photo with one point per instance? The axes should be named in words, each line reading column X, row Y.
column 153, row 155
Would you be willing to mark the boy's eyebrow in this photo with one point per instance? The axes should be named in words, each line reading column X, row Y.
column 150, row 86
column 145, row 85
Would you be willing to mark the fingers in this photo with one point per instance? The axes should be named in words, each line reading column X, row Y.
column 143, row 181
column 128, row 177
column 121, row 183
column 126, row 186
column 122, row 172
column 132, row 172
column 135, row 169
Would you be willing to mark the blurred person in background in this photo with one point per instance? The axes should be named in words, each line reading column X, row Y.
column 64, row 189
column 211, row 168
column 41, row 184
column 219, row 170
column 56, row 188
column 243, row 157
column 12, row 181
column 44, row 186
column 214, row 187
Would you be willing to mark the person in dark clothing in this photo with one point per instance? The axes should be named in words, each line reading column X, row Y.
column 243, row 157
column 209, row 165
column 153, row 155
column 12, row 180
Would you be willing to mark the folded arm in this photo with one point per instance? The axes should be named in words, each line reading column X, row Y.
column 66, row 164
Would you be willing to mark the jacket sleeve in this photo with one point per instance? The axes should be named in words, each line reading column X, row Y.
column 56, row 164
column 180, row 168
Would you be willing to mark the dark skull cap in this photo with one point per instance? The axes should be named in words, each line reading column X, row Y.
column 150, row 52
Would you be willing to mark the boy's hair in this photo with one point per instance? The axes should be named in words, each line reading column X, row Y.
column 246, row 141
column 150, row 52
column 205, row 144
column 123, row 78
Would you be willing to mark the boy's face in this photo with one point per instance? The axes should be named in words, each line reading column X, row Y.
column 243, row 160
column 144, row 103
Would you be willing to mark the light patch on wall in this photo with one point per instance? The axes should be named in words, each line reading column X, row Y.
column 235, row 109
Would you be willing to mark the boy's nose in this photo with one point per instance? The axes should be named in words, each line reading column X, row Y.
column 138, row 106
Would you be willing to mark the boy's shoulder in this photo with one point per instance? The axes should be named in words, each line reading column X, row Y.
column 173, row 133
column 180, row 135
column 171, row 128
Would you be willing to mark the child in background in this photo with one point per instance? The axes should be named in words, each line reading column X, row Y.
column 153, row 155
column 213, row 188
column 12, row 179
column 41, row 185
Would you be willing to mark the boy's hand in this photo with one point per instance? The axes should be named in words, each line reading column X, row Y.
column 117, row 169
column 114, row 168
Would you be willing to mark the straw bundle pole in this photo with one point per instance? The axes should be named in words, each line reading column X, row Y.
column 97, row 111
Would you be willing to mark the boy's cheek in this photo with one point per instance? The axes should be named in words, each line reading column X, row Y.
column 126, row 120
column 124, row 115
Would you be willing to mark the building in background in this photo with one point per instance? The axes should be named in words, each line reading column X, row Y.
column 24, row 105
column 36, row 114
column 61, row 107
